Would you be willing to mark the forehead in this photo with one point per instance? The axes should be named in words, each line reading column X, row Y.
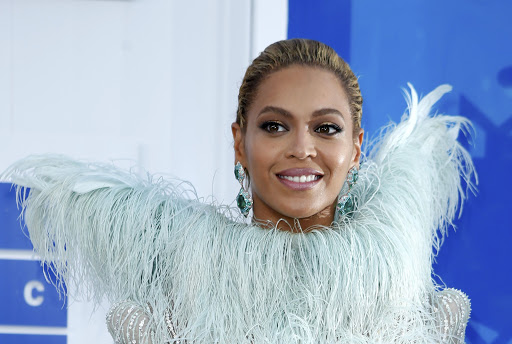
column 301, row 89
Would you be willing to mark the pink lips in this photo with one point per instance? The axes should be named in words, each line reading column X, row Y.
column 299, row 178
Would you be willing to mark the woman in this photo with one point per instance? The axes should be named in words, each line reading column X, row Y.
column 336, row 251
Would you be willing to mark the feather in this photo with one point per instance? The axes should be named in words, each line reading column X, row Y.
column 365, row 279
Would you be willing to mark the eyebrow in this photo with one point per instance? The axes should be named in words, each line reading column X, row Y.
column 286, row 113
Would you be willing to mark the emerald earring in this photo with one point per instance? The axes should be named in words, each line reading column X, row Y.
column 346, row 202
column 243, row 199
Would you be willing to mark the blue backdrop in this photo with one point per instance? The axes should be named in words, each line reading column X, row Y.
column 26, row 299
column 464, row 43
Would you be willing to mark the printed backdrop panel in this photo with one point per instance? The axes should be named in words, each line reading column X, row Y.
column 10, row 224
column 31, row 339
column 32, row 301
column 26, row 298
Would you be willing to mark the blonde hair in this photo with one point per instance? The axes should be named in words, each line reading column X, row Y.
column 306, row 52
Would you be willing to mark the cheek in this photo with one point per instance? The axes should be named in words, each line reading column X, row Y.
column 338, row 160
column 260, row 147
column 338, row 151
column 260, row 155
column 338, row 166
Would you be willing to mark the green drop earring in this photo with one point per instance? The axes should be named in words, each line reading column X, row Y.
column 346, row 202
column 243, row 199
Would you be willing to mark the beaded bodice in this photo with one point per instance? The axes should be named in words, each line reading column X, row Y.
column 130, row 323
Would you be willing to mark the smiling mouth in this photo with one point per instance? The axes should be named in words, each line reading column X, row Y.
column 300, row 179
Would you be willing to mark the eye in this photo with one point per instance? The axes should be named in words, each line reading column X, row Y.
column 273, row 127
column 328, row 129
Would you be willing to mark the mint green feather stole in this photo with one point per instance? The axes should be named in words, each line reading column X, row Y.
column 365, row 279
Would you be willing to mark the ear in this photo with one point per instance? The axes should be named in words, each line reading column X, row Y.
column 239, row 143
column 358, row 142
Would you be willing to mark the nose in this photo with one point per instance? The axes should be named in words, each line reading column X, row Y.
column 302, row 145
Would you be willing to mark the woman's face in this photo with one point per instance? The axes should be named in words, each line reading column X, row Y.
column 298, row 145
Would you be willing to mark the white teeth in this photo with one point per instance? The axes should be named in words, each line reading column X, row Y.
column 300, row 179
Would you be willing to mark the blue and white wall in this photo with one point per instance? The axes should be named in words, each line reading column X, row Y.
column 154, row 83
column 467, row 44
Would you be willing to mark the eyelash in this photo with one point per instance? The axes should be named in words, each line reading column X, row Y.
column 266, row 126
column 330, row 126
column 337, row 129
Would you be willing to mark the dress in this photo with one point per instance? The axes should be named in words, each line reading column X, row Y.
column 190, row 272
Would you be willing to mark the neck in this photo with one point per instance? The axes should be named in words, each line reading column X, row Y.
column 324, row 218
